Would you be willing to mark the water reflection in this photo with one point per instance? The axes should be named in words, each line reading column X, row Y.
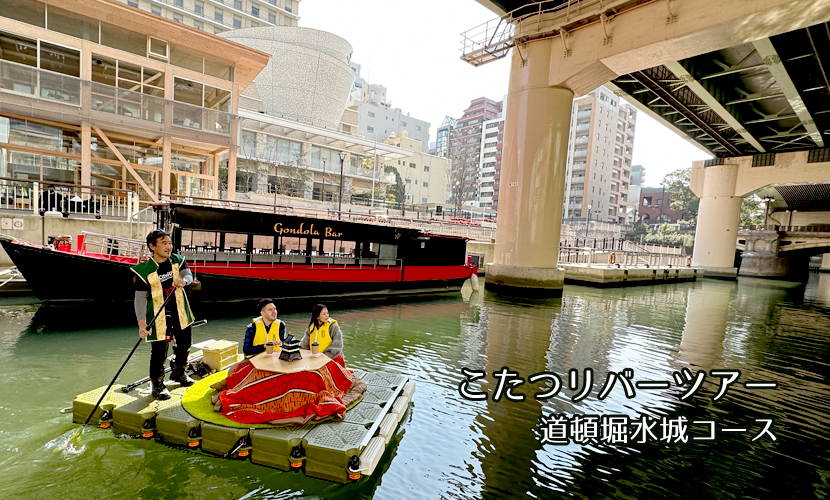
column 449, row 447
column 655, row 331
column 707, row 312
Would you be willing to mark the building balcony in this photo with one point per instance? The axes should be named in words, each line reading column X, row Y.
column 352, row 171
column 45, row 94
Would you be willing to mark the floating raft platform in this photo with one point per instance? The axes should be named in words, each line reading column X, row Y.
column 340, row 450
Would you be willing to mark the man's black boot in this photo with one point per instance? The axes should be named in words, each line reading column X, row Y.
column 179, row 375
column 159, row 391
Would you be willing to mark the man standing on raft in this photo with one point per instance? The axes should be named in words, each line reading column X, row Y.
column 164, row 273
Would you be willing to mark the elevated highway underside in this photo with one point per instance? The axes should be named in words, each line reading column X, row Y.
column 748, row 82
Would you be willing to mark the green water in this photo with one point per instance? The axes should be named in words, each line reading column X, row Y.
column 447, row 446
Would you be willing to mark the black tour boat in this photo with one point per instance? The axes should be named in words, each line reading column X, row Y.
column 239, row 255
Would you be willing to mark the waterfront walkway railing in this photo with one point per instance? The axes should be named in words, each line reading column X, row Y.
column 67, row 199
column 618, row 244
column 598, row 257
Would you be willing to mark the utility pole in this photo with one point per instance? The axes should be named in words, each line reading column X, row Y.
column 588, row 222
column 340, row 197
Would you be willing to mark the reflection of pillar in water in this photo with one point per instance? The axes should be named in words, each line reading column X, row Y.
column 823, row 292
column 517, row 337
column 707, row 311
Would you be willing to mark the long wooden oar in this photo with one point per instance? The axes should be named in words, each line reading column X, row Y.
column 104, row 394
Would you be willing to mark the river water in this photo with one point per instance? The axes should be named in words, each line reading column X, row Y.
column 451, row 447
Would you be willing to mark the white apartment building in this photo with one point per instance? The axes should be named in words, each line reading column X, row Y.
column 599, row 158
column 425, row 176
column 490, row 161
column 378, row 119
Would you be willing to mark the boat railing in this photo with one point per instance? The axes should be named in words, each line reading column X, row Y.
column 235, row 258
column 115, row 248
column 602, row 257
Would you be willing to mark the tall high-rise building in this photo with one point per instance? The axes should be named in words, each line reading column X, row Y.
column 378, row 119
column 634, row 190
column 359, row 82
column 492, row 141
column 466, row 152
column 217, row 16
column 599, row 158
column 442, row 138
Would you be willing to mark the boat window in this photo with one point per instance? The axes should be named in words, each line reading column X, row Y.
column 263, row 244
column 199, row 240
column 345, row 248
column 291, row 245
column 385, row 251
column 329, row 246
column 236, row 242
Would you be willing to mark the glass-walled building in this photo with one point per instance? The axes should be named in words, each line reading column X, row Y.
column 217, row 16
column 117, row 97
column 286, row 157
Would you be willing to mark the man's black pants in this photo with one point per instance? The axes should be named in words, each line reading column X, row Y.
column 158, row 352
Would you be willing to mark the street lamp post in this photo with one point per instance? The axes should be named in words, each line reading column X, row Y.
column 374, row 167
column 587, row 222
column 340, row 198
column 767, row 201
column 276, row 182
column 662, row 202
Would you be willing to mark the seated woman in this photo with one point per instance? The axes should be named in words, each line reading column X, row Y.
column 326, row 332
column 254, row 396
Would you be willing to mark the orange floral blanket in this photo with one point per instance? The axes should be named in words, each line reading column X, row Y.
column 256, row 396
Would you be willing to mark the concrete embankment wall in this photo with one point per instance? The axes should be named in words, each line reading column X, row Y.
column 483, row 250
column 37, row 229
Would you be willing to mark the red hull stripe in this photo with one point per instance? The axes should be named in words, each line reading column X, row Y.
column 426, row 273
column 335, row 274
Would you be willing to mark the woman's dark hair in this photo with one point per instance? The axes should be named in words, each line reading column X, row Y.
column 154, row 236
column 315, row 314
column 263, row 303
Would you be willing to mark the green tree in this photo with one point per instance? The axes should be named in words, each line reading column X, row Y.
column 752, row 211
column 636, row 231
column 398, row 190
column 668, row 235
column 682, row 198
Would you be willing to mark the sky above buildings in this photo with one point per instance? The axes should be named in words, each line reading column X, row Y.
column 413, row 49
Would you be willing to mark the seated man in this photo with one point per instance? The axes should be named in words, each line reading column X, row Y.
column 252, row 396
column 259, row 331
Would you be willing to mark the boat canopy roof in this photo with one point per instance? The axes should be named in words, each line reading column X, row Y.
column 201, row 218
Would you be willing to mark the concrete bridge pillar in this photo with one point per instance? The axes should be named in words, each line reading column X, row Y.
column 825, row 263
column 532, row 182
column 717, row 224
column 761, row 259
